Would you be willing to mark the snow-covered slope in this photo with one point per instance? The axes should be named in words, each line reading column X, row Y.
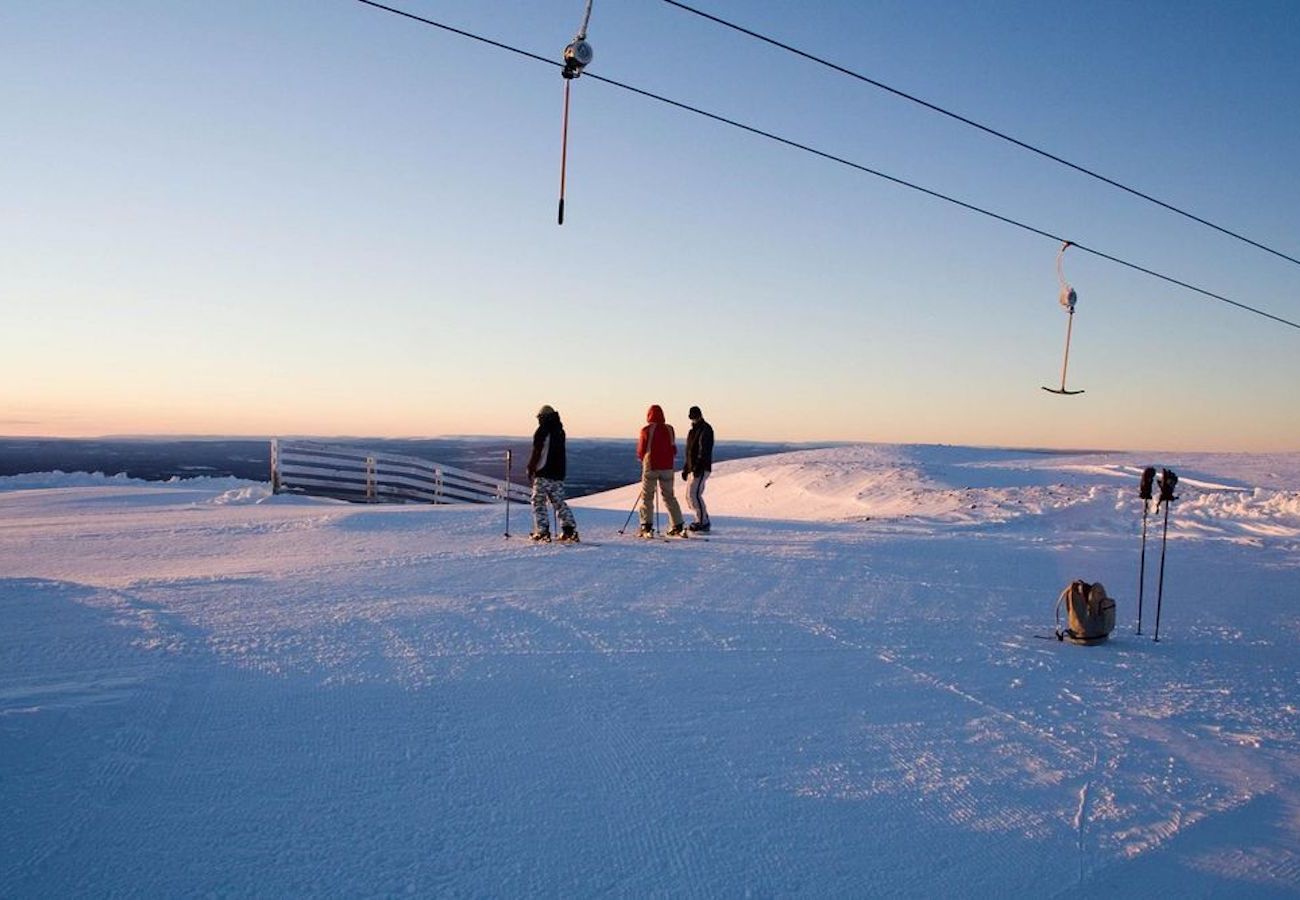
column 205, row 689
column 1235, row 497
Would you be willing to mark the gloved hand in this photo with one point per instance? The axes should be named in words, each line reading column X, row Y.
column 686, row 474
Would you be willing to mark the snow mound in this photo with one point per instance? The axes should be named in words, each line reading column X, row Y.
column 36, row 481
column 249, row 492
column 926, row 485
column 217, row 491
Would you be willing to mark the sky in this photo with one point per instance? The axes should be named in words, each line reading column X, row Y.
column 320, row 218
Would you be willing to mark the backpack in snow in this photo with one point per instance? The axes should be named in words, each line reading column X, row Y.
column 1090, row 613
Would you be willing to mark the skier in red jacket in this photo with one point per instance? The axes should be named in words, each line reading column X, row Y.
column 657, row 448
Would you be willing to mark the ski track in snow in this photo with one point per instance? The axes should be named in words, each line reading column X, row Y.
column 210, row 690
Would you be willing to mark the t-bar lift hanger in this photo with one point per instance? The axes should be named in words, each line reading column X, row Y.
column 1067, row 298
column 577, row 56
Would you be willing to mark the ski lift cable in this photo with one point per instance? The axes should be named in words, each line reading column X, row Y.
column 844, row 162
column 1024, row 145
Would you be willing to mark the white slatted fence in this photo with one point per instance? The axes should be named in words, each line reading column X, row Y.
column 349, row 473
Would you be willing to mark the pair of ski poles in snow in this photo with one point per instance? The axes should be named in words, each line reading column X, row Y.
column 1168, row 480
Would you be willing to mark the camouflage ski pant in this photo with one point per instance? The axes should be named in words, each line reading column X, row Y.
column 545, row 489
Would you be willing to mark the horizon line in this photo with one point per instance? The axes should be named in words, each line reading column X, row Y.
column 811, row 444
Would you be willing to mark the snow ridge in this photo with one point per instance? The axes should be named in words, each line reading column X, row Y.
column 927, row 486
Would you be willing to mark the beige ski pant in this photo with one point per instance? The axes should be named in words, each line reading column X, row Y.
column 664, row 479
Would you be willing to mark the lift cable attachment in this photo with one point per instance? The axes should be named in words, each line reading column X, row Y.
column 1068, row 298
column 577, row 56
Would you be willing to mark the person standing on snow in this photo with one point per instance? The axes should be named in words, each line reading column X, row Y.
column 657, row 448
column 698, row 465
column 546, row 471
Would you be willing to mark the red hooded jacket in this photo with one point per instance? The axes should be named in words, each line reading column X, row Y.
column 658, row 439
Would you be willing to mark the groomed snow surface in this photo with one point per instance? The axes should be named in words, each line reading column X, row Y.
column 208, row 690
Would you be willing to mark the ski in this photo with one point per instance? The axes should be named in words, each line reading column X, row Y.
column 664, row 539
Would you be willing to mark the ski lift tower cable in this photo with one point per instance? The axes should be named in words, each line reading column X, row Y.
column 844, row 162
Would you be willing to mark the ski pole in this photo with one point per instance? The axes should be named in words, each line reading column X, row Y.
column 507, row 493
column 1160, row 589
column 1142, row 564
column 635, row 504
column 1168, row 481
column 1144, row 491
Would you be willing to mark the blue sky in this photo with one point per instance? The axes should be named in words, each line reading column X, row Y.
column 314, row 217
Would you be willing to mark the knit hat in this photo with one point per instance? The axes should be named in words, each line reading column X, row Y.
column 546, row 410
column 695, row 413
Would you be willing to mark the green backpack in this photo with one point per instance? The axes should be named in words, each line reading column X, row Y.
column 1090, row 613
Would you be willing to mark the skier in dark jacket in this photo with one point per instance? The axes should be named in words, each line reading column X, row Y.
column 698, row 465
column 546, row 471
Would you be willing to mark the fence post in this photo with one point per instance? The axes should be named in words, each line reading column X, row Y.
column 370, row 478
column 275, row 465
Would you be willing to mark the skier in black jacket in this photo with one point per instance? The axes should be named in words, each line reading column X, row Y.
column 699, row 462
column 546, row 471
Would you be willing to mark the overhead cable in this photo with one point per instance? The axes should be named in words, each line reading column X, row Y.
column 838, row 159
column 981, row 127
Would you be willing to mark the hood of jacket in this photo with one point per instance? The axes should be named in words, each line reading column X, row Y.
column 655, row 414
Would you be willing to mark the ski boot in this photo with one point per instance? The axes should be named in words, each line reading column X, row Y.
column 647, row 531
column 540, row 537
column 678, row 531
column 698, row 528
column 569, row 535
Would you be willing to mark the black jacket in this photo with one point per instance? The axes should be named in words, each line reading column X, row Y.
column 547, row 460
column 699, row 447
